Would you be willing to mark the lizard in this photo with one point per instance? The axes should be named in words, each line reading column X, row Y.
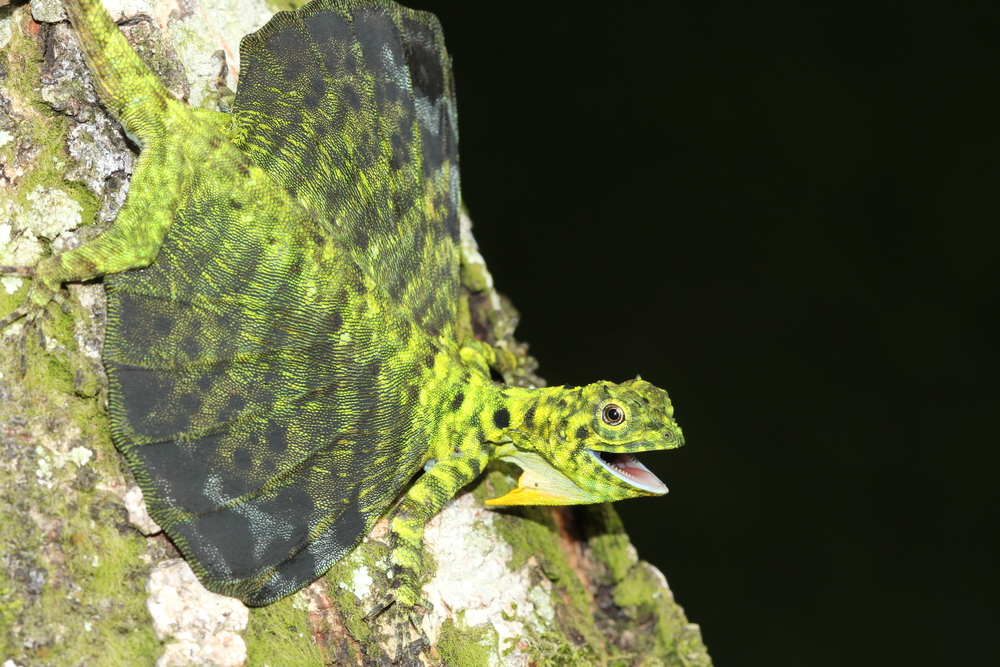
column 282, row 350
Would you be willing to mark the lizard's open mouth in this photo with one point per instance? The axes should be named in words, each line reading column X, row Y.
column 628, row 469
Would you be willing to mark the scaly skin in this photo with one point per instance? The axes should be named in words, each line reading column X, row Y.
column 282, row 302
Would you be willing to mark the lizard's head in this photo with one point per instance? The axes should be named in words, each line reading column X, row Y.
column 578, row 445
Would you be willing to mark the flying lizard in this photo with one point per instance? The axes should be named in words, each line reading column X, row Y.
column 283, row 353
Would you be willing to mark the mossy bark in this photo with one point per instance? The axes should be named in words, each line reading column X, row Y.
column 80, row 585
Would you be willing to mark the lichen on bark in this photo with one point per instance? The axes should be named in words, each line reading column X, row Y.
column 81, row 584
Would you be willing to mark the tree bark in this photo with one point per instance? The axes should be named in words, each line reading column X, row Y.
column 85, row 576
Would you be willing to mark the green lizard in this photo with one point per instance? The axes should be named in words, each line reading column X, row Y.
column 282, row 347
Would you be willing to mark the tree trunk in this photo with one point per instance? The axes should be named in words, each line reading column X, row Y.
column 85, row 576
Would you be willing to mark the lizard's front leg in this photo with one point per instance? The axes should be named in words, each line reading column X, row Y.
column 131, row 241
column 427, row 496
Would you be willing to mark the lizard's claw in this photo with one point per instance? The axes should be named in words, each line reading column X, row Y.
column 13, row 316
column 405, row 632
column 404, row 619
column 34, row 308
column 18, row 271
column 24, row 309
column 422, row 606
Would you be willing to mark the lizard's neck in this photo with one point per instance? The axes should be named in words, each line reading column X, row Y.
column 475, row 413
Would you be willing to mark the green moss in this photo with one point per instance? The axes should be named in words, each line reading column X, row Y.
column 554, row 650
column 606, row 535
column 279, row 635
column 83, row 599
column 10, row 611
column 636, row 590
column 462, row 646
column 24, row 60
column 89, row 204
column 113, row 596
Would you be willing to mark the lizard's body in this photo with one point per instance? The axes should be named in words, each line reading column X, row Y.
column 281, row 350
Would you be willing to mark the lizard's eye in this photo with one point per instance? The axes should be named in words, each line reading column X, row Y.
column 613, row 414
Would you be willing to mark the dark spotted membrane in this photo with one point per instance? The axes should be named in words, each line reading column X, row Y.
column 261, row 369
column 351, row 106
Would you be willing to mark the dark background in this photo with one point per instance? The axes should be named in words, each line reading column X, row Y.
column 786, row 215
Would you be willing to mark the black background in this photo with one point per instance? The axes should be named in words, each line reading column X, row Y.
column 786, row 215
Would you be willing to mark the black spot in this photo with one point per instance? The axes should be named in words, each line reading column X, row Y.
column 529, row 417
column 188, row 404
column 434, row 327
column 317, row 89
column 235, row 404
column 367, row 148
column 582, row 433
column 430, row 360
column 266, row 465
column 308, row 158
column 413, row 393
column 433, row 150
column 456, row 402
column 403, row 200
column 146, row 397
column 214, row 141
column 398, row 287
column 451, row 224
column 242, row 458
column 424, row 59
column 190, row 346
column 234, row 485
column 204, row 381
column 404, row 333
column 242, row 170
column 400, row 151
column 332, row 36
column 276, row 438
column 235, row 204
column 361, row 239
column 161, row 325
column 374, row 368
column 296, row 55
column 349, row 98
column 501, row 418
column 334, row 321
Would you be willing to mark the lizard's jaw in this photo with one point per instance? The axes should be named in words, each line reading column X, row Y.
column 628, row 469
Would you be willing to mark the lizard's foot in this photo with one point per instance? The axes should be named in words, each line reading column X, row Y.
column 34, row 309
column 406, row 635
column 24, row 309
column 402, row 610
